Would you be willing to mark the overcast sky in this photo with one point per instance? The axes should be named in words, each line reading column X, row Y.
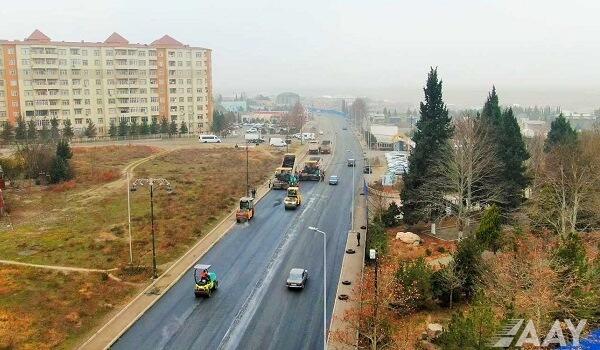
column 534, row 51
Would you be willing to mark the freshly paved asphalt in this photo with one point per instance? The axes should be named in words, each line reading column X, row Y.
column 252, row 308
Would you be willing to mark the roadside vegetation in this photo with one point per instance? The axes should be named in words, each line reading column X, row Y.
column 526, row 211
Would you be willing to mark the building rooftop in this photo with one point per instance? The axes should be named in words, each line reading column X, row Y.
column 114, row 40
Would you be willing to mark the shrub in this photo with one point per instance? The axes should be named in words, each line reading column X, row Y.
column 377, row 238
column 441, row 249
column 389, row 217
column 490, row 229
column 414, row 278
column 472, row 330
column 428, row 252
column 469, row 265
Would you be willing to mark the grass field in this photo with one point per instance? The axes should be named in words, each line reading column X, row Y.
column 41, row 309
column 83, row 223
column 60, row 226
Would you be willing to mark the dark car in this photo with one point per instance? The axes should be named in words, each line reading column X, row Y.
column 344, row 128
column 367, row 169
column 351, row 162
column 297, row 278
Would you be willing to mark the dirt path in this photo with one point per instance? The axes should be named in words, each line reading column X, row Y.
column 54, row 267
column 94, row 192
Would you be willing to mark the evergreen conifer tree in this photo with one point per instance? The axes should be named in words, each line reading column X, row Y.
column 433, row 131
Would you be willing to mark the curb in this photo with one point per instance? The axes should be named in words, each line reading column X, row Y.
column 229, row 216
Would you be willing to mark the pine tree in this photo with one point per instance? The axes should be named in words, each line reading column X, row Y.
column 144, row 127
column 112, row 130
column 504, row 131
column 44, row 134
column 63, row 150
column 561, row 133
column 31, row 130
column 218, row 122
column 123, row 128
column 90, row 130
column 134, row 128
column 164, row 126
column 183, row 129
column 154, row 127
column 21, row 130
column 7, row 132
column 433, row 131
column 67, row 131
column 513, row 154
column 173, row 128
column 54, row 131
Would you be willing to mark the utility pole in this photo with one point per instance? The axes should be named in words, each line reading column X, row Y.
column 129, row 221
column 151, row 182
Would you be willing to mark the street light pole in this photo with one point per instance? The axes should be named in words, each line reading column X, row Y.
column 324, row 284
column 151, row 182
column 129, row 221
column 247, row 172
column 373, row 256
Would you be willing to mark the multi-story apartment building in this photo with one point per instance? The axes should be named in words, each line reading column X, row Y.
column 105, row 82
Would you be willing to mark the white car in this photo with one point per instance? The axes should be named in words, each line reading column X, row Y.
column 209, row 139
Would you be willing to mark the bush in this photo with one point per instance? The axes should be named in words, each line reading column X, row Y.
column 389, row 217
column 441, row 249
column 377, row 238
column 490, row 229
column 428, row 252
column 472, row 330
column 414, row 278
column 469, row 265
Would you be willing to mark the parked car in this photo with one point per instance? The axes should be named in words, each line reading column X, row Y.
column 209, row 139
column 333, row 180
column 367, row 169
column 297, row 278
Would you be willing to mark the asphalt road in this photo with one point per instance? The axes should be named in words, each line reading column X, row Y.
column 252, row 308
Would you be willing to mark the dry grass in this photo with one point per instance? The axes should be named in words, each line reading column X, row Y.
column 41, row 309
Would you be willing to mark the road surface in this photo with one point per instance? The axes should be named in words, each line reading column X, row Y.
column 252, row 308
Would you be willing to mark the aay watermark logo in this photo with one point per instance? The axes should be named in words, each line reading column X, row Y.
column 516, row 335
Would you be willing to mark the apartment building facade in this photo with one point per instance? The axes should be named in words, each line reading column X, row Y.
column 105, row 82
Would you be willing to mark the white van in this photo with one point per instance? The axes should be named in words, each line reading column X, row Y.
column 209, row 139
column 277, row 142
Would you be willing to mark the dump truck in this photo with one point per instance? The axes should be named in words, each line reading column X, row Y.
column 293, row 199
column 284, row 178
column 325, row 147
column 313, row 147
column 289, row 159
column 311, row 171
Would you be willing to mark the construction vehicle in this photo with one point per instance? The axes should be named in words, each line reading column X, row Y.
column 284, row 178
column 246, row 210
column 311, row 171
column 325, row 147
column 205, row 282
column 289, row 159
column 313, row 147
column 293, row 198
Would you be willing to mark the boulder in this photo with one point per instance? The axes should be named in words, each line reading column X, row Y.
column 408, row 238
column 434, row 330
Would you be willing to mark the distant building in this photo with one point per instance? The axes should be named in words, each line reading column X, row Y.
column 264, row 116
column 105, row 82
column 235, row 106
column 390, row 138
column 532, row 128
column 287, row 99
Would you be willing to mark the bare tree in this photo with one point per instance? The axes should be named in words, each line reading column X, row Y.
column 567, row 183
column 296, row 117
column 359, row 111
column 465, row 175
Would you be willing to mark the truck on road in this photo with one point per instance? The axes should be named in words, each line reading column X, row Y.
column 325, row 147
column 312, row 170
column 313, row 147
column 284, row 175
